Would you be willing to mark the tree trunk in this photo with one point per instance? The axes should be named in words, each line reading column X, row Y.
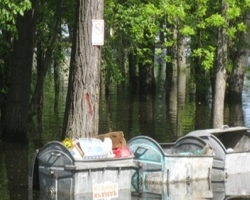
column 146, row 78
column 132, row 73
column 4, row 71
column 236, row 115
column 47, row 60
column 146, row 114
column 40, row 100
column 56, row 86
column 220, row 73
column 16, row 115
column 146, row 69
column 239, row 58
column 169, row 72
column 172, row 67
column 81, row 116
column 236, row 79
column 198, row 73
column 181, row 54
column 122, row 57
column 181, row 71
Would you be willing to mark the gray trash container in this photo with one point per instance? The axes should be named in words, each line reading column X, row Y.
column 170, row 163
column 123, row 195
column 231, row 146
column 59, row 172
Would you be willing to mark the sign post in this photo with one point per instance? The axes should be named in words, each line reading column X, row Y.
column 97, row 32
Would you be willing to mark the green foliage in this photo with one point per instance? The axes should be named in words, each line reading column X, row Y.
column 230, row 66
column 215, row 20
column 134, row 26
column 110, row 65
column 168, row 59
column 187, row 30
column 9, row 9
column 195, row 19
column 246, row 4
column 231, row 31
column 241, row 27
column 206, row 56
column 43, row 29
column 233, row 12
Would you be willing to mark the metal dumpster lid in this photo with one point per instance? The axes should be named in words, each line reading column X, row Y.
column 218, row 131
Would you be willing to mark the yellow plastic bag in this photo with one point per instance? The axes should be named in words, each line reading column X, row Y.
column 67, row 142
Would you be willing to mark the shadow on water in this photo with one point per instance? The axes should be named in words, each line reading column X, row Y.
column 14, row 170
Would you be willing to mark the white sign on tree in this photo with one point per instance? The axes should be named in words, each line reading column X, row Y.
column 97, row 32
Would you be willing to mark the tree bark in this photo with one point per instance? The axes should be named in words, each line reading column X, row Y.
column 146, row 69
column 4, row 71
column 220, row 73
column 181, row 54
column 146, row 78
column 239, row 59
column 16, row 115
column 81, row 116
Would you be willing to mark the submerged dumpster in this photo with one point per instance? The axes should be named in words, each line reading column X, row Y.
column 59, row 172
column 200, row 189
column 122, row 195
column 187, row 159
column 231, row 146
column 236, row 186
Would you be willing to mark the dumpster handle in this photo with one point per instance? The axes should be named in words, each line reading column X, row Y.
column 224, row 127
column 70, row 167
column 142, row 150
column 55, row 154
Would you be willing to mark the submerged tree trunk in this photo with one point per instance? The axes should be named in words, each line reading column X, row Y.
column 236, row 80
column 16, row 115
column 81, row 116
column 199, row 74
column 239, row 59
column 40, row 101
column 220, row 73
column 4, row 71
column 146, row 78
column 146, row 114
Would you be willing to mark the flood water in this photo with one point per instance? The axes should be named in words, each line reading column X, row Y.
column 164, row 117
